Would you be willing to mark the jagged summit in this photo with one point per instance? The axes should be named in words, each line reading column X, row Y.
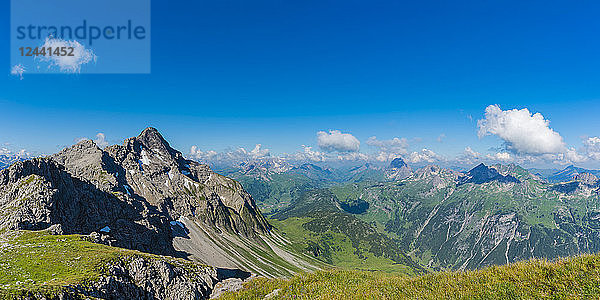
column 483, row 174
column 398, row 169
column 398, row 163
column 150, row 138
column 134, row 190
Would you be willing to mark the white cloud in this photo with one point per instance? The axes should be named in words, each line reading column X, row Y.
column 396, row 145
column 425, row 155
column 501, row 156
column 259, row 151
column 201, row 155
column 233, row 157
column 573, row 156
column 100, row 140
column 309, row 154
column 352, row 156
column 66, row 63
column 523, row 132
column 18, row 70
column 337, row 141
column 468, row 157
column 385, row 156
column 592, row 147
column 389, row 149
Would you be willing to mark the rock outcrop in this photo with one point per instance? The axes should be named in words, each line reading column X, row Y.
column 130, row 195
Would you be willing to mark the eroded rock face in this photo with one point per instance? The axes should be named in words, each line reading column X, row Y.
column 128, row 194
column 143, row 278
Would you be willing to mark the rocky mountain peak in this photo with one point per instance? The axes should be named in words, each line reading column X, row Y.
column 152, row 139
column 483, row 174
column 397, row 163
column 134, row 190
column 85, row 144
column 398, row 169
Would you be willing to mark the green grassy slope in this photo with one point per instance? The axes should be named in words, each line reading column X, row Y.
column 277, row 193
column 572, row 278
column 314, row 224
column 34, row 262
column 445, row 225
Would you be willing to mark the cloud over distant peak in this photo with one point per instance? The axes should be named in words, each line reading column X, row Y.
column 522, row 131
column 423, row 156
column 230, row 156
column 592, row 147
column 504, row 157
column 259, row 151
column 335, row 140
column 200, row 155
column 389, row 149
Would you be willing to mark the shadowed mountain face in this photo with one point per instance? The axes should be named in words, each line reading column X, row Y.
column 398, row 169
column 397, row 163
column 483, row 174
column 130, row 194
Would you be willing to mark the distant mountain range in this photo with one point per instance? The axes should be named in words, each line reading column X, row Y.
column 7, row 158
column 440, row 217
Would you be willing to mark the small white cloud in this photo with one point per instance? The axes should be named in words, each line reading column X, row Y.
column 592, row 147
column 66, row 63
column 231, row 157
column 259, row 151
column 523, row 132
column 501, row 156
column 397, row 145
column 18, row 70
column 352, row 156
column 425, row 155
column 573, row 156
column 468, row 157
column 201, row 155
column 309, row 154
column 335, row 140
column 389, row 149
column 100, row 140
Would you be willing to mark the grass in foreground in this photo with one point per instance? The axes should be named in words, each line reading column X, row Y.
column 35, row 262
column 571, row 278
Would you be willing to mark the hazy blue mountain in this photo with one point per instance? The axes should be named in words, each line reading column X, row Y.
column 569, row 173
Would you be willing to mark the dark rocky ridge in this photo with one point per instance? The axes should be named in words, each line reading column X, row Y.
column 483, row 174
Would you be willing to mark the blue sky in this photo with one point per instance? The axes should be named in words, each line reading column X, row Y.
column 229, row 74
